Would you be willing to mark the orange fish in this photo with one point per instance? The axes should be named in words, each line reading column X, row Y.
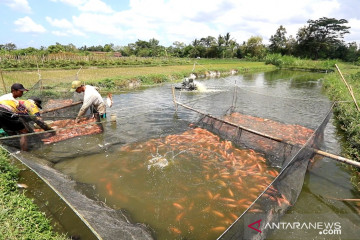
column 222, row 183
column 231, row 205
column 109, row 188
column 178, row 206
column 228, row 199
column 218, row 229
column 216, row 196
column 175, row 230
column 230, row 192
column 233, row 216
column 217, row 213
column 179, row 216
column 211, row 196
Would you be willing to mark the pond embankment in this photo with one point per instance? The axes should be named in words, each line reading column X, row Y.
column 20, row 217
column 346, row 113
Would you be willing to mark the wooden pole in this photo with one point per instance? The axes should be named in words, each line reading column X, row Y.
column 234, row 125
column 346, row 199
column 174, row 98
column 348, row 87
column 317, row 151
column 40, row 80
column 2, row 78
column 338, row 158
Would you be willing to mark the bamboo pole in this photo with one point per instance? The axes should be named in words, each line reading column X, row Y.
column 2, row 78
column 348, row 87
column 234, row 125
column 338, row 158
column 345, row 199
column 174, row 98
column 317, row 151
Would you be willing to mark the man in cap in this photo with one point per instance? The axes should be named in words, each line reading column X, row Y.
column 28, row 110
column 91, row 98
column 9, row 120
column 17, row 90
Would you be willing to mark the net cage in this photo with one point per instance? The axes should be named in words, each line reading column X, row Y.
column 66, row 140
column 222, row 158
column 60, row 106
column 286, row 145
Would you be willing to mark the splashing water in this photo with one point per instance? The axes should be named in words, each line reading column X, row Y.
column 200, row 87
column 158, row 161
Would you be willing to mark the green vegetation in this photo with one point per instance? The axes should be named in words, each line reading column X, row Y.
column 295, row 63
column 346, row 113
column 319, row 39
column 57, row 81
column 20, row 218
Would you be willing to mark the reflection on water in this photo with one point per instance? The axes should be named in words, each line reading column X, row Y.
column 157, row 188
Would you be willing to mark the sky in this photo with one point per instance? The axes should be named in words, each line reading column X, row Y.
column 36, row 23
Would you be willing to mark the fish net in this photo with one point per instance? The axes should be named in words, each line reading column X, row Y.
column 55, row 88
column 204, row 171
column 72, row 139
column 286, row 147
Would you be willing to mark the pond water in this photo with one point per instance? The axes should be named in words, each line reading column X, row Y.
column 171, row 177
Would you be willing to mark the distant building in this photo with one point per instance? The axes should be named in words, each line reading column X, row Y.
column 117, row 54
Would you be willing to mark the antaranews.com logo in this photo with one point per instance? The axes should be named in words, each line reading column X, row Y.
column 323, row 228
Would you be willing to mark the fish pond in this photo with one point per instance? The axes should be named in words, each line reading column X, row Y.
column 185, row 182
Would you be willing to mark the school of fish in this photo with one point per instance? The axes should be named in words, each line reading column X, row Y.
column 230, row 180
column 68, row 128
column 210, row 197
column 289, row 132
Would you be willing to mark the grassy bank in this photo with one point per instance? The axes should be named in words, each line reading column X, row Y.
column 346, row 113
column 295, row 63
column 123, row 77
column 20, row 218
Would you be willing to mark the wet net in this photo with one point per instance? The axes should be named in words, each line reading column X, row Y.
column 195, row 174
column 286, row 148
column 57, row 137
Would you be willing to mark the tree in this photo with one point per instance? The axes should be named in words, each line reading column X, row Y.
column 56, row 48
column 209, row 41
column 254, row 48
column 321, row 37
column 221, row 43
column 177, row 49
column 278, row 41
column 227, row 39
column 70, row 48
column 108, row 47
column 9, row 47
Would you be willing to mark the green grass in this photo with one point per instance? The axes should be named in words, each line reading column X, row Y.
column 120, row 77
column 346, row 114
column 20, row 218
column 295, row 63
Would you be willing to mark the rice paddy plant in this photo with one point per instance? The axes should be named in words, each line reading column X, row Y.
column 51, row 78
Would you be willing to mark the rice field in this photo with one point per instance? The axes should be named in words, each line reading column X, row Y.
column 118, row 75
